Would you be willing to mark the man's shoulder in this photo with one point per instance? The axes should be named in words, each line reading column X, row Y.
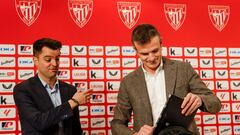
column 133, row 74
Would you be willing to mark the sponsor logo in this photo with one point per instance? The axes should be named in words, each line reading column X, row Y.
column 97, row 85
column 205, row 52
column 220, row 52
column 112, row 62
column 80, row 85
column 235, row 85
column 225, row 130
column 236, row 130
column 25, row 49
column 64, row 62
column 129, row 12
column 7, row 125
column 234, row 63
column 224, row 118
column 7, row 62
column 83, row 110
column 209, row 84
column 25, row 74
column 192, row 61
column 222, row 85
column 220, row 63
column 175, row 14
column 225, row 107
column 234, row 52
column 112, row 50
column 175, row 51
column 112, row 97
column 6, row 86
column 190, row 51
column 96, row 62
column 209, row 119
column 97, row 98
column 113, row 85
column 197, row 119
column 235, row 96
column 97, row 122
column 219, row 16
column 7, row 74
column 79, row 50
column 221, row 74
column 79, row 74
column 84, row 122
column 236, row 107
column 110, row 109
column 98, row 132
column 25, row 62
column 234, row 74
column 206, row 63
column 80, row 11
column 28, row 10
column 210, row 130
column 128, row 51
column 79, row 62
column 96, row 50
column 129, row 62
column 113, row 74
column 97, row 110
column 6, row 100
column 206, row 74
column 7, row 112
column 8, row 49
column 96, row 74
column 223, row 96
column 65, row 50
column 236, row 118
column 63, row 74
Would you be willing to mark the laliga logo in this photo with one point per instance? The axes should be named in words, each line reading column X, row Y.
column 28, row 10
column 175, row 14
column 129, row 12
column 80, row 11
column 219, row 16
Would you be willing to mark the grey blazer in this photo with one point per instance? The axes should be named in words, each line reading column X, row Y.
column 180, row 78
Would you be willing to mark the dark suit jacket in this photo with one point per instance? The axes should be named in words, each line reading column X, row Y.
column 133, row 96
column 37, row 113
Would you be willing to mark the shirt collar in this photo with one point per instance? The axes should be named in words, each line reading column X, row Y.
column 46, row 86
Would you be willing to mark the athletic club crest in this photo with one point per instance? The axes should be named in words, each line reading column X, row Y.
column 28, row 10
column 219, row 16
column 80, row 11
column 129, row 12
column 175, row 14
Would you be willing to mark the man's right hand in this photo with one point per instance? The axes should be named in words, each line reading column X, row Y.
column 82, row 97
column 145, row 130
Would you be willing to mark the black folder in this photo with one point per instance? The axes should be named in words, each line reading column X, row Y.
column 172, row 116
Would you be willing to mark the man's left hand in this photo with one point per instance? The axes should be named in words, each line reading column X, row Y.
column 190, row 103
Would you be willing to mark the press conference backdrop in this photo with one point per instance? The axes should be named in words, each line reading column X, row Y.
column 97, row 51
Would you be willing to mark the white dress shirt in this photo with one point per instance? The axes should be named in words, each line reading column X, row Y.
column 156, row 91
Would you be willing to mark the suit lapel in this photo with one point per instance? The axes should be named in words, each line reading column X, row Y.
column 170, row 71
column 42, row 92
column 63, row 92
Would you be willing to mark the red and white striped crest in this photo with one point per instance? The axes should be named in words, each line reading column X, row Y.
column 80, row 11
column 219, row 16
column 129, row 12
column 175, row 14
column 28, row 10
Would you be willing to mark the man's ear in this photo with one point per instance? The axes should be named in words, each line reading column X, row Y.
column 35, row 60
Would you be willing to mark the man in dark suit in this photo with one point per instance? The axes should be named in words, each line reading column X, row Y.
column 145, row 90
column 46, row 105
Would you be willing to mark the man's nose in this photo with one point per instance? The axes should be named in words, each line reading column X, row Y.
column 151, row 57
column 54, row 62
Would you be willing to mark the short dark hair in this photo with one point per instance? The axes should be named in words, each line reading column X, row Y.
column 143, row 33
column 45, row 42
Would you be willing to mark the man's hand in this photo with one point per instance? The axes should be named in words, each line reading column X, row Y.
column 190, row 103
column 80, row 97
column 145, row 130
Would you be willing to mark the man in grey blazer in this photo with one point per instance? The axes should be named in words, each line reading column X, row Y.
column 144, row 91
column 46, row 105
